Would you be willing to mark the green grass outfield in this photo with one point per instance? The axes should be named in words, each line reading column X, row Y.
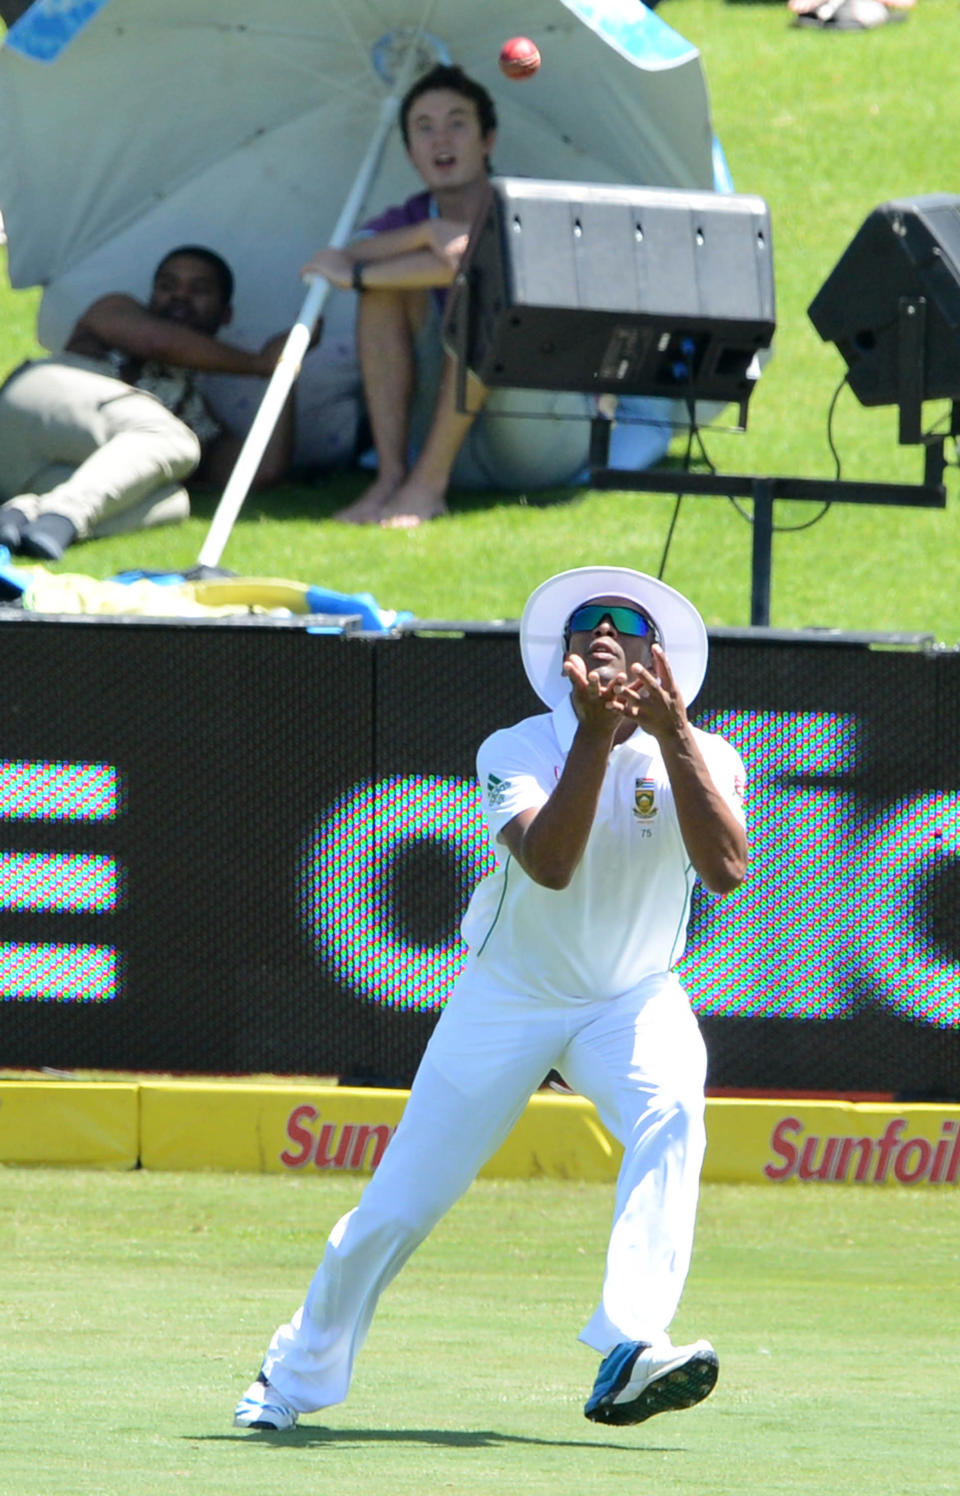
column 825, row 127
column 135, row 1307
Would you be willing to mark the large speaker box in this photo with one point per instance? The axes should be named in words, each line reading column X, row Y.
column 609, row 289
column 906, row 252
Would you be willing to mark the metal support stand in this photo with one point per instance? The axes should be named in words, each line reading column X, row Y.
column 761, row 555
column 911, row 335
column 763, row 490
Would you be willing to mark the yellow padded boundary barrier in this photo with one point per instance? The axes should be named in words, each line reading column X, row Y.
column 803, row 1142
column 266, row 1126
column 93, row 1123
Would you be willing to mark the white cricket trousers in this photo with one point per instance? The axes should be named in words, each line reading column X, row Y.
column 639, row 1057
column 75, row 441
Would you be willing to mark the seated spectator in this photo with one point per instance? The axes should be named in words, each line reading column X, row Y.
column 848, row 15
column 100, row 439
column 401, row 265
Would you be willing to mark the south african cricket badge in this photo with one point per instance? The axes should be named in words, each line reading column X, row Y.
column 644, row 799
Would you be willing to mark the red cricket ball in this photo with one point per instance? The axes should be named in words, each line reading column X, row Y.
column 519, row 57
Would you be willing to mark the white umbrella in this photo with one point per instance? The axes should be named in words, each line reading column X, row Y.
column 262, row 128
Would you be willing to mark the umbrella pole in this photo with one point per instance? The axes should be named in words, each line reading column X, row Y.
column 298, row 341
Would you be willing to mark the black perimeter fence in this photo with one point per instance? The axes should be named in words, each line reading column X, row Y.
column 245, row 846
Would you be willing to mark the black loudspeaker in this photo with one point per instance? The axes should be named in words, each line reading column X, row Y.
column 615, row 290
column 893, row 301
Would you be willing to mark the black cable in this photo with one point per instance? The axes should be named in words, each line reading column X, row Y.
column 666, row 545
column 705, row 455
column 827, row 503
column 830, row 441
column 807, row 523
column 747, row 515
column 732, row 500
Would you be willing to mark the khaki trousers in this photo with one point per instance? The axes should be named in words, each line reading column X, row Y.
column 78, row 442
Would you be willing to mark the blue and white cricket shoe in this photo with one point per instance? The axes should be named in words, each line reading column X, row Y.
column 261, row 1406
column 636, row 1380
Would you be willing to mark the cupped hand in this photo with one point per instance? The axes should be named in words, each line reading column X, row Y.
column 597, row 695
column 652, row 698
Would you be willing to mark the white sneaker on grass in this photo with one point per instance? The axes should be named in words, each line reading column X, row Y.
column 261, row 1406
column 636, row 1380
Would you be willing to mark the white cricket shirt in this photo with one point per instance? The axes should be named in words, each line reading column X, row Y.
column 624, row 914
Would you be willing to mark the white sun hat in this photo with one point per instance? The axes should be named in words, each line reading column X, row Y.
column 681, row 629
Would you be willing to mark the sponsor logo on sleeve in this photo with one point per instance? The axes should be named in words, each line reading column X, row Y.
column 496, row 791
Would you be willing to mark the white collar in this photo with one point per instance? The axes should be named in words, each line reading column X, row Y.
column 565, row 722
column 565, row 727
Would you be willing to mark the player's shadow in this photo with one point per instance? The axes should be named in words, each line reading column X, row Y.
column 306, row 1436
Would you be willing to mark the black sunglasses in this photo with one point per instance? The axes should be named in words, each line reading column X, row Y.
column 584, row 620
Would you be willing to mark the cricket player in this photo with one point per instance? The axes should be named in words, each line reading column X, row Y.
column 602, row 812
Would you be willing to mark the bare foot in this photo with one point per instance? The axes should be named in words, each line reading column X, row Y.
column 412, row 504
column 368, row 509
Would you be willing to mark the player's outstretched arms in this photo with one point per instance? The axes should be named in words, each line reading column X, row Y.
column 712, row 834
column 548, row 842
